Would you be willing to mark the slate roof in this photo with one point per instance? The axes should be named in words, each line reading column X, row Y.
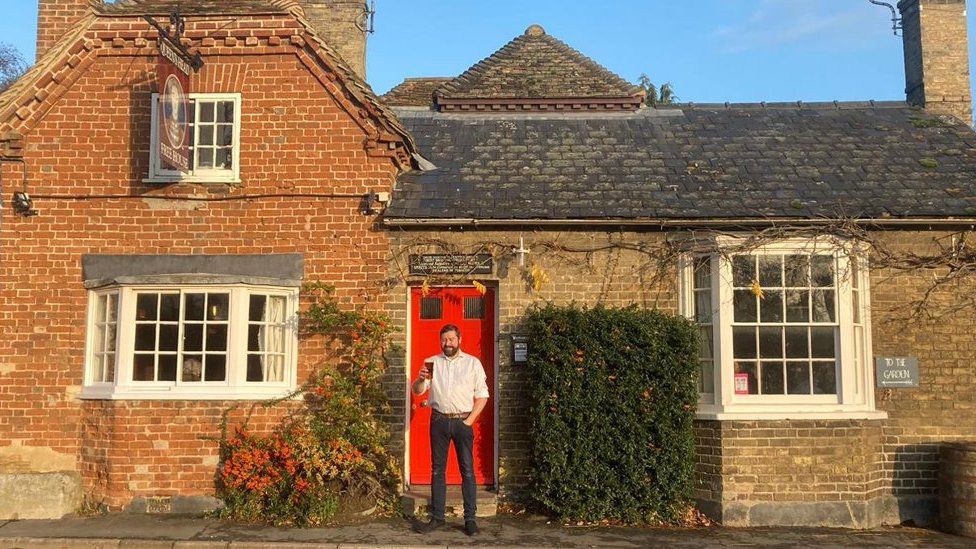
column 536, row 65
column 690, row 163
column 414, row 92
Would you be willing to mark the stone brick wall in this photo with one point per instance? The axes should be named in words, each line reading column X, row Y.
column 302, row 149
column 937, row 56
column 341, row 22
column 829, row 472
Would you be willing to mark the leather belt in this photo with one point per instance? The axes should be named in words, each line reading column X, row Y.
column 461, row 415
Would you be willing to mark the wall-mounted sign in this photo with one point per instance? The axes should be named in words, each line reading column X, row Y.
column 896, row 372
column 173, row 71
column 448, row 264
column 520, row 350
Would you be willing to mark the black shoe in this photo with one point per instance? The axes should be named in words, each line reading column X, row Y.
column 470, row 527
column 428, row 527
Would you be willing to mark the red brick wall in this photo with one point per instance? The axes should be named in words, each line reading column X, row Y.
column 94, row 140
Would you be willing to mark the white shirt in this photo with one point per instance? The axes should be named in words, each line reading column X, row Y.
column 457, row 382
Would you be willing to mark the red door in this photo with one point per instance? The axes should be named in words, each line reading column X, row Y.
column 474, row 314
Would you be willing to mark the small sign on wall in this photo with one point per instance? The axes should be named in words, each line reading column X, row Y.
column 520, row 350
column 742, row 384
column 896, row 372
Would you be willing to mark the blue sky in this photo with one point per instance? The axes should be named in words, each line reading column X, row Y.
column 711, row 50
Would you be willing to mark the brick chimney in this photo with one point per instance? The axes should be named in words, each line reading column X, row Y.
column 342, row 24
column 55, row 18
column 937, row 56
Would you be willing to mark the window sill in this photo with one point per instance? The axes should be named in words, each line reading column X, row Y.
column 756, row 413
column 167, row 393
column 200, row 180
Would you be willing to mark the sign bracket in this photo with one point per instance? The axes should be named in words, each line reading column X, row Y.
column 178, row 23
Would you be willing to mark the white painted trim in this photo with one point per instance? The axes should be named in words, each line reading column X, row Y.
column 158, row 175
column 234, row 387
column 769, row 416
column 408, row 391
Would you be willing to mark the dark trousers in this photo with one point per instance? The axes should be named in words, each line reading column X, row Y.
column 443, row 431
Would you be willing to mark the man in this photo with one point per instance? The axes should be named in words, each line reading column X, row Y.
column 458, row 394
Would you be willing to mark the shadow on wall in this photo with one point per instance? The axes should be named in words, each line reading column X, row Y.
column 914, row 471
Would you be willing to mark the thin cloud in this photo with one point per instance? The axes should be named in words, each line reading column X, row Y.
column 822, row 25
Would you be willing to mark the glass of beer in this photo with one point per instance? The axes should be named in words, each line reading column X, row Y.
column 429, row 364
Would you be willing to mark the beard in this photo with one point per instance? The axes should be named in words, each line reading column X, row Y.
column 449, row 351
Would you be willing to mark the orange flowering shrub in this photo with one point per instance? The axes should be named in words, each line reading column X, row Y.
column 332, row 446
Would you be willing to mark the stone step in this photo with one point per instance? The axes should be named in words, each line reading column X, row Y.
column 416, row 501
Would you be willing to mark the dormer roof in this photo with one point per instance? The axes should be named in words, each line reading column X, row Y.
column 537, row 72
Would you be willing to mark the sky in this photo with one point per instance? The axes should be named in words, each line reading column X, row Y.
column 710, row 50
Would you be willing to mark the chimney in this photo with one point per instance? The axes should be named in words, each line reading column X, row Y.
column 55, row 18
column 342, row 23
column 937, row 56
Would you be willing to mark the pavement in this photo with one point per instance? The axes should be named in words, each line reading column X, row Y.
column 171, row 532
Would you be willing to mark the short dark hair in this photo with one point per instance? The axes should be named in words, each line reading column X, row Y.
column 450, row 328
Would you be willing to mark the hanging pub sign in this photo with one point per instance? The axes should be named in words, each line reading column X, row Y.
column 176, row 65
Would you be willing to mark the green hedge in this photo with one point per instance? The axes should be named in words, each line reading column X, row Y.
column 614, row 394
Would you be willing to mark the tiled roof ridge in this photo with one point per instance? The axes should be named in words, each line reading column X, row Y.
column 786, row 105
column 535, row 33
column 128, row 7
column 418, row 91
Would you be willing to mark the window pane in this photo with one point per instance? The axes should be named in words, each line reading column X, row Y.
column 192, row 368
column 743, row 270
column 797, row 343
column 703, row 273
column 822, row 342
column 216, row 368
column 771, row 306
column 706, row 345
column 206, row 136
column 146, row 306
column 112, row 312
column 224, row 160
column 276, row 368
column 798, row 378
column 225, row 111
column 751, row 377
column 98, row 339
column 703, row 307
column 798, row 306
column 108, row 372
column 772, row 378
column 744, row 302
column 145, row 337
column 169, row 337
column 167, row 368
column 255, row 368
column 474, row 308
column 770, row 271
column 100, row 305
column 744, row 342
column 111, row 331
column 207, row 111
column 218, row 306
column 205, row 158
column 824, row 378
column 797, row 269
column 169, row 309
column 430, row 308
column 225, row 135
column 822, row 271
column 217, row 337
column 771, row 342
column 143, row 367
column 193, row 308
column 823, row 306
column 256, row 311
column 254, row 339
column 192, row 337
column 707, row 383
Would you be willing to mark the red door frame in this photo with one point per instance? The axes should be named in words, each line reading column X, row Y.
column 486, row 468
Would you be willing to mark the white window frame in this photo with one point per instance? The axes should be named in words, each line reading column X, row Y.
column 159, row 175
column 855, row 396
column 235, row 387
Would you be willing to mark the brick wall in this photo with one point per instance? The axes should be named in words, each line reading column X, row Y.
column 55, row 18
column 827, row 472
column 298, row 138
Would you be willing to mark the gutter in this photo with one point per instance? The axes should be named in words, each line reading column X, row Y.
column 674, row 223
